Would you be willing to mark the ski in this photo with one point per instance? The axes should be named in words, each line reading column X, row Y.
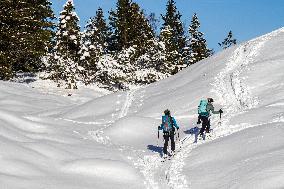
column 165, row 159
column 168, row 157
column 203, row 137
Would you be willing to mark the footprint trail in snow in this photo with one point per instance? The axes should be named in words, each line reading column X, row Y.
column 231, row 88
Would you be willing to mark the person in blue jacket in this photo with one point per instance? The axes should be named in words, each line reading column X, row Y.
column 168, row 126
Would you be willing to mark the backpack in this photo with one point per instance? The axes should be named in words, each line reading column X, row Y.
column 168, row 124
column 202, row 108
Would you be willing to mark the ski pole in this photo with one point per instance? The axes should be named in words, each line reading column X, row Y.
column 158, row 137
column 220, row 117
column 179, row 141
column 158, row 132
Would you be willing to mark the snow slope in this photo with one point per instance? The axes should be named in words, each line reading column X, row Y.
column 49, row 140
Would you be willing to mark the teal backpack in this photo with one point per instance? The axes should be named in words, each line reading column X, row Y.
column 202, row 108
column 167, row 124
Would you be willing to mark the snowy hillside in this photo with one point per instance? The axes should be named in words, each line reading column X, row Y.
column 51, row 141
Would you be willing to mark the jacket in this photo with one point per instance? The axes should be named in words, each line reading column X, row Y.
column 210, row 108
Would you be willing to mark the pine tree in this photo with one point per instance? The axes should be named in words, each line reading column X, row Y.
column 100, row 30
column 229, row 41
column 25, row 32
column 66, row 55
column 90, row 53
column 130, row 26
column 131, row 35
column 94, row 44
column 172, row 18
column 119, row 21
column 169, row 52
column 196, row 43
column 141, row 31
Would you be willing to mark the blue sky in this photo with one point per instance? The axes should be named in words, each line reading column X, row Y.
column 246, row 18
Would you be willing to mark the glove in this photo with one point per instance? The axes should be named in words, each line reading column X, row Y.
column 159, row 127
column 178, row 128
column 220, row 111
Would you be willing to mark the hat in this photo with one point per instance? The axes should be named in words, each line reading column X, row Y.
column 167, row 112
column 210, row 100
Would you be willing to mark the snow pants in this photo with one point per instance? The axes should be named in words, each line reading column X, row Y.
column 169, row 136
column 205, row 124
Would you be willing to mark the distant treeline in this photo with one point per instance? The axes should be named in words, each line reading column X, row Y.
column 114, row 53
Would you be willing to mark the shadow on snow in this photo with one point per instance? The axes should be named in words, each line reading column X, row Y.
column 193, row 131
column 157, row 149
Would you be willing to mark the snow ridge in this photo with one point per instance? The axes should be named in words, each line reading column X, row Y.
column 230, row 86
column 236, row 98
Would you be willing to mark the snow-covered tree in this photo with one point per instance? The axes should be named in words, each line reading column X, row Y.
column 196, row 42
column 150, row 66
column 171, row 55
column 90, row 52
column 172, row 18
column 131, row 34
column 99, row 29
column 111, row 74
column 66, row 52
column 228, row 41
column 154, row 57
column 141, row 31
column 126, row 59
column 68, row 33
column 94, row 44
column 25, row 32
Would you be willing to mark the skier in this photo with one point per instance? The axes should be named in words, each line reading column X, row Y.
column 168, row 126
column 204, row 109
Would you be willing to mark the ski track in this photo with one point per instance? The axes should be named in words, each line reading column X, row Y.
column 128, row 102
column 98, row 135
column 137, row 157
column 236, row 96
column 143, row 163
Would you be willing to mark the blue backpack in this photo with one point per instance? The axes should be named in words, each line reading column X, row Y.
column 202, row 108
column 167, row 124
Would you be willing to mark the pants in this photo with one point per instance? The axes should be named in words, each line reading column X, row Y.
column 199, row 119
column 167, row 137
column 205, row 124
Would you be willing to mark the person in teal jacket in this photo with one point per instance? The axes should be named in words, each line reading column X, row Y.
column 168, row 126
column 204, row 117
